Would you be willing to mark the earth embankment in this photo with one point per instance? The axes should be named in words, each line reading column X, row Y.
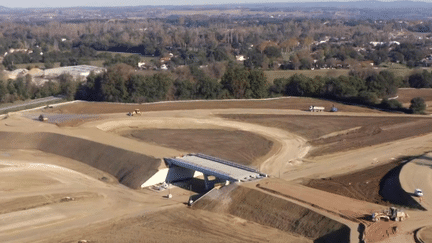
column 275, row 212
column 239, row 146
column 130, row 168
column 392, row 190
column 332, row 133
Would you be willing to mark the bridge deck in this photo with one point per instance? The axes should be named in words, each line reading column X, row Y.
column 216, row 167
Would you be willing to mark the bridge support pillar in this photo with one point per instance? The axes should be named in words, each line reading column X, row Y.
column 206, row 182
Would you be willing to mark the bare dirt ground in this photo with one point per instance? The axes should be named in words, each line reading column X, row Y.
column 363, row 185
column 239, row 146
column 181, row 224
column 254, row 205
column 114, row 213
column 352, row 210
column 292, row 103
column 30, row 213
column 425, row 234
column 405, row 95
column 329, row 134
column 286, row 146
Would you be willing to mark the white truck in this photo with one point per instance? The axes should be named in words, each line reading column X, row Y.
column 313, row 108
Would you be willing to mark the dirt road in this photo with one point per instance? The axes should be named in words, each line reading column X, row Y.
column 285, row 159
column 93, row 201
column 288, row 149
column 418, row 174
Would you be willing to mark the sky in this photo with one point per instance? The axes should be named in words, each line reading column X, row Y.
column 119, row 3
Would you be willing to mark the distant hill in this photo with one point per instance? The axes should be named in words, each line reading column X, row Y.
column 354, row 4
column 4, row 9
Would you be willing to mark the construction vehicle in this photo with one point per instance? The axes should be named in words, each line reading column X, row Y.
column 135, row 112
column 333, row 109
column 391, row 213
column 313, row 108
column 42, row 118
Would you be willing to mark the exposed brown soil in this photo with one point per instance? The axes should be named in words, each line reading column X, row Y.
column 296, row 103
column 130, row 168
column 37, row 155
column 181, row 224
column 343, row 207
column 24, row 203
column 254, row 205
column 349, row 132
column 362, row 185
column 425, row 234
column 12, row 183
column 407, row 94
column 239, row 146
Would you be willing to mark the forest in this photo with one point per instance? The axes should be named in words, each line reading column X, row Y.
column 214, row 58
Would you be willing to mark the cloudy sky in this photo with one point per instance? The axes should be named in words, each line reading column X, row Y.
column 100, row 3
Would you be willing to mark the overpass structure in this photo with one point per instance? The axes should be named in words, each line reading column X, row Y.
column 184, row 167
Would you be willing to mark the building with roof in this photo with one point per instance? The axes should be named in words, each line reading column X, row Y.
column 78, row 72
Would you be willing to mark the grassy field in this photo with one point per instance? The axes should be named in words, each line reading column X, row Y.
column 97, row 63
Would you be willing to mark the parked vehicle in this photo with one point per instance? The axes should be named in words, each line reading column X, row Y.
column 418, row 193
column 313, row 108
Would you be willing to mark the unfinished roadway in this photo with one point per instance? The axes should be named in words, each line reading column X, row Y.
column 285, row 159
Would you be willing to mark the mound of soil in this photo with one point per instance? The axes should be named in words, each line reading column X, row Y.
column 379, row 184
column 391, row 190
column 179, row 224
column 130, row 168
column 238, row 146
column 265, row 209
column 363, row 185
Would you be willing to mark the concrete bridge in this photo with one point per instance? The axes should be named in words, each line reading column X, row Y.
column 185, row 167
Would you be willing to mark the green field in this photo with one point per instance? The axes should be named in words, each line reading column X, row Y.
column 97, row 63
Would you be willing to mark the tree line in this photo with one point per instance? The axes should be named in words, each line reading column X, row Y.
column 121, row 83
column 24, row 88
column 371, row 89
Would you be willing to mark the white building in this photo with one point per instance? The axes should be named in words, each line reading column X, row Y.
column 240, row 58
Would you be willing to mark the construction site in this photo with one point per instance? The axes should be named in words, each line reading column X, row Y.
column 225, row 171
